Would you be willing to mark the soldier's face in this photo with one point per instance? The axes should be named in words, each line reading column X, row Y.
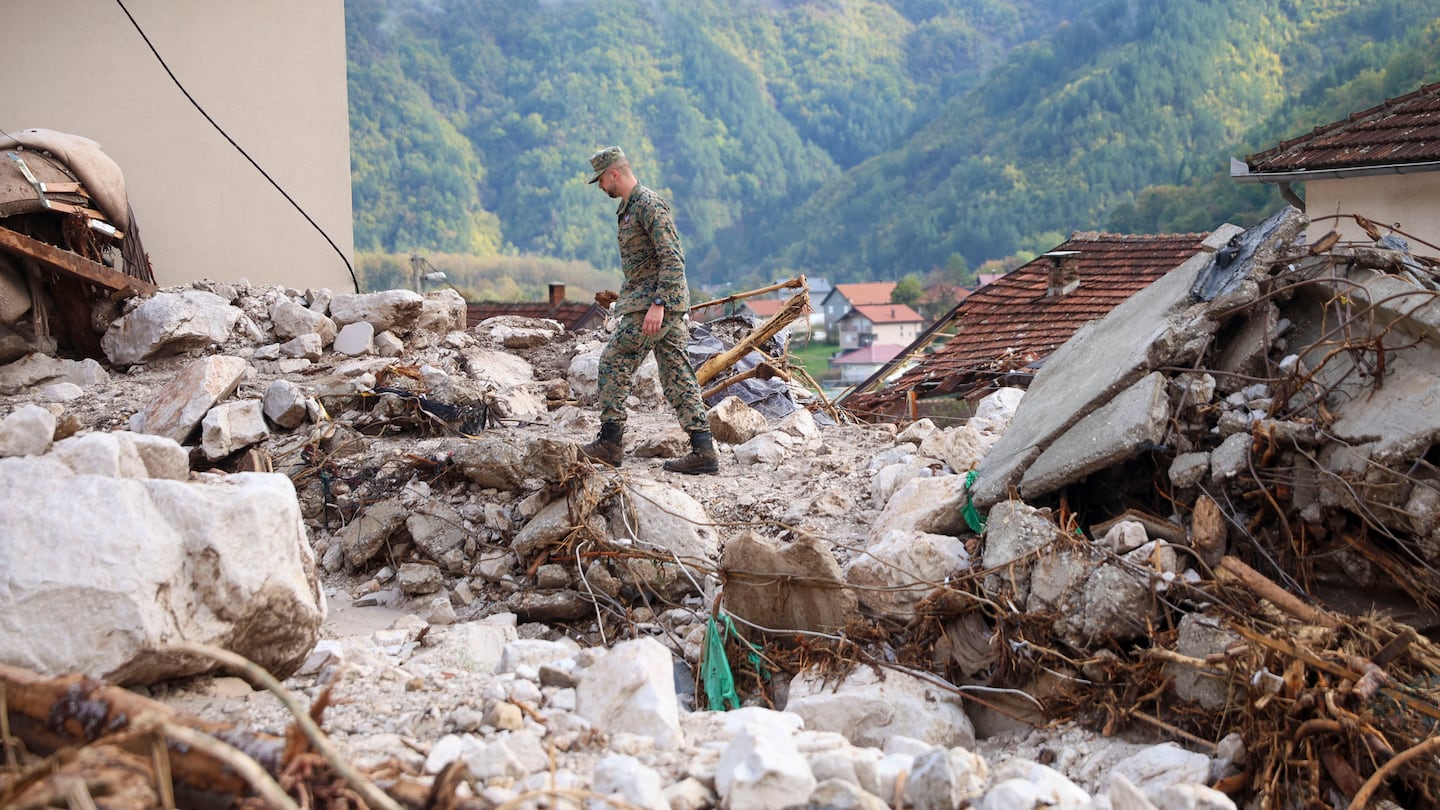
column 607, row 183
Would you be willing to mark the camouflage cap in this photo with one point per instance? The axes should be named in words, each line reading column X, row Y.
column 604, row 159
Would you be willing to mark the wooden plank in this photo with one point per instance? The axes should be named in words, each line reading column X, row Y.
column 69, row 264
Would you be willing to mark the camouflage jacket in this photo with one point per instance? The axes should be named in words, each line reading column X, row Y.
column 650, row 255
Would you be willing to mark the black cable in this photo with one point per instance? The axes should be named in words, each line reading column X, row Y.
column 227, row 137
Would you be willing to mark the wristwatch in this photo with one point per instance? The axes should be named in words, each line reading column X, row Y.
column 657, row 302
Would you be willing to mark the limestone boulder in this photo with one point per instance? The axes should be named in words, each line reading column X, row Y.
column 36, row 369
column 871, row 706
column 169, row 323
column 99, row 572
column 393, row 310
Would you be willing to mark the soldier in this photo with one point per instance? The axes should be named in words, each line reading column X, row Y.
column 652, row 307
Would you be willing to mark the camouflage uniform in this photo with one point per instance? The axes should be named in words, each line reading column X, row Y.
column 654, row 267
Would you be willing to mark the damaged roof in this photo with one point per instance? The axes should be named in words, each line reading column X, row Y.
column 1015, row 321
column 573, row 315
column 1400, row 131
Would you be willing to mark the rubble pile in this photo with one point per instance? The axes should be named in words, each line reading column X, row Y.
column 1206, row 534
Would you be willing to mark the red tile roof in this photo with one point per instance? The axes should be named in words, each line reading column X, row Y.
column 865, row 293
column 764, row 307
column 1011, row 322
column 886, row 313
column 1402, row 130
column 575, row 316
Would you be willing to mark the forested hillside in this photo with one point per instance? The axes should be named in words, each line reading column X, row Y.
column 852, row 139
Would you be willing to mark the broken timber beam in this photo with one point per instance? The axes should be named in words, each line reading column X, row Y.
column 798, row 281
column 798, row 303
column 70, row 265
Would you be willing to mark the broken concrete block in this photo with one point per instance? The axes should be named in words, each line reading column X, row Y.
column 786, row 586
column 1115, row 432
column 1189, row 469
column 944, row 778
column 232, row 426
column 355, row 339
column 1147, row 330
column 27, row 431
column 176, row 411
column 1201, row 636
column 1231, row 458
column 169, row 323
column 291, row 320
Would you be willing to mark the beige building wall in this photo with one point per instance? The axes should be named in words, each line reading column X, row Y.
column 271, row 73
column 1410, row 202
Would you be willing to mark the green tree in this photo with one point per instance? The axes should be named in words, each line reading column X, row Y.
column 908, row 290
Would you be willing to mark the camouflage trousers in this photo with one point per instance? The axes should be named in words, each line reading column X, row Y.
column 626, row 351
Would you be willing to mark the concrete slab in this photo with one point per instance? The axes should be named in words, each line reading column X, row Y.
column 1113, row 433
column 1103, row 358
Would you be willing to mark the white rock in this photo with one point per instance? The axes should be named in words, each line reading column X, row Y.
column 926, row 505
column 36, row 369
column 1160, row 766
column 102, row 572
column 625, row 778
column 61, row 392
column 232, row 426
column 525, row 656
column 176, row 410
column 901, row 568
column 284, row 404
column 766, row 450
column 733, row 422
column 308, row 346
column 943, row 779
column 355, row 339
column 395, row 310
column 387, row 345
column 169, row 323
column 869, row 711
column 291, row 320
column 632, row 689
column 762, row 768
column 27, row 431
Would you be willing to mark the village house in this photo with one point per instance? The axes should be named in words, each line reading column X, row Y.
column 1364, row 176
column 878, row 324
column 844, row 297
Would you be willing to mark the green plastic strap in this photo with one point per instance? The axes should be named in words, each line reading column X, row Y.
column 969, row 512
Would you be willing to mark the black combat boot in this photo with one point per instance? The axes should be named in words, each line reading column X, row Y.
column 608, row 446
column 702, row 458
